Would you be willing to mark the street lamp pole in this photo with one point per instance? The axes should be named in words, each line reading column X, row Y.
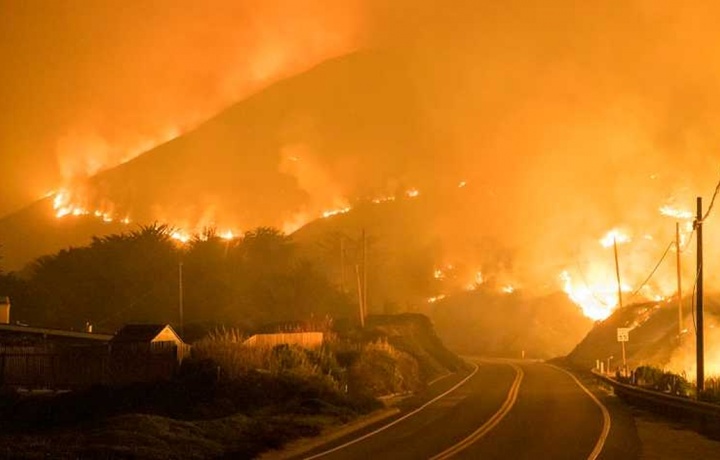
column 180, row 296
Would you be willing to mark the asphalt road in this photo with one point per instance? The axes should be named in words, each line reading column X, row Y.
column 502, row 409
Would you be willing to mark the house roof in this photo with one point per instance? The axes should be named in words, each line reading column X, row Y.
column 54, row 332
column 140, row 332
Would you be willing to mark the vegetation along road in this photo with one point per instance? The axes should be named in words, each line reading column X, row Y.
column 499, row 409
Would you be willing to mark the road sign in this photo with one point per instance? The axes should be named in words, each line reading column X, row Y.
column 623, row 334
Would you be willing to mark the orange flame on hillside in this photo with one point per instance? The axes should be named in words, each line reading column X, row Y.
column 593, row 288
column 63, row 206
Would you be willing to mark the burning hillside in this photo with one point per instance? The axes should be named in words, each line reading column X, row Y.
column 654, row 339
column 540, row 159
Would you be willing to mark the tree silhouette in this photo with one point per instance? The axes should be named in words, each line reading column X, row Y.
column 133, row 277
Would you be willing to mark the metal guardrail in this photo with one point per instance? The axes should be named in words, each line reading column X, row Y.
column 663, row 402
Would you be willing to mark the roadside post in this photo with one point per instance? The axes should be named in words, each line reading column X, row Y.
column 623, row 335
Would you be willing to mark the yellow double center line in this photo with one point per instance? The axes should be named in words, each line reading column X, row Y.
column 491, row 423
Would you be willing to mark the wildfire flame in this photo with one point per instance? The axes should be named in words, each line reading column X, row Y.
column 614, row 236
column 436, row 298
column 181, row 236
column 597, row 301
column 63, row 206
column 227, row 235
column 335, row 212
column 676, row 213
column 597, row 295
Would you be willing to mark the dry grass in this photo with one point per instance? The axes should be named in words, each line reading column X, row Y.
column 227, row 349
column 230, row 400
column 145, row 436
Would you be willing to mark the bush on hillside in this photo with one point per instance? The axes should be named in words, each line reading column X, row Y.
column 380, row 369
column 712, row 390
column 659, row 380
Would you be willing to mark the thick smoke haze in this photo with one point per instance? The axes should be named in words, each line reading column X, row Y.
column 563, row 119
column 88, row 85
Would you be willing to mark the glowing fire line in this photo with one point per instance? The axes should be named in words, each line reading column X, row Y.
column 597, row 298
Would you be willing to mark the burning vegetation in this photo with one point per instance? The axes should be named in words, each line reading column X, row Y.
column 533, row 160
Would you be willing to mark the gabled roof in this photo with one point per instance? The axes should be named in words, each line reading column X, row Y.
column 140, row 332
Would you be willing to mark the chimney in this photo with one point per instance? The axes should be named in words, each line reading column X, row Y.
column 4, row 310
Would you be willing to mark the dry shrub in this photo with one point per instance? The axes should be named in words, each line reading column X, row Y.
column 227, row 349
column 380, row 369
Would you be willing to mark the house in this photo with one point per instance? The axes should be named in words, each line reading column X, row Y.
column 152, row 338
column 40, row 357
column 303, row 339
column 14, row 335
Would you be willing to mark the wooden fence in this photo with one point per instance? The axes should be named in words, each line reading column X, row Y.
column 303, row 339
column 77, row 367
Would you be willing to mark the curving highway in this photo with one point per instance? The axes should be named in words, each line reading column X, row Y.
column 499, row 409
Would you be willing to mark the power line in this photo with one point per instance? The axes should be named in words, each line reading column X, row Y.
column 712, row 202
column 692, row 300
column 689, row 240
column 637, row 291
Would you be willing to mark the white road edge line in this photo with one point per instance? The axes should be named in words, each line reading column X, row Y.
column 394, row 422
column 434, row 381
column 606, row 416
column 491, row 423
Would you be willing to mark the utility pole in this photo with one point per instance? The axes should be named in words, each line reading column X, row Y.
column 679, row 277
column 180, row 296
column 342, row 263
column 360, row 295
column 364, row 255
column 617, row 272
column 699, row 334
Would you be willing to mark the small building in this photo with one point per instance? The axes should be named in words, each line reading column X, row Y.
column 153, row 338
column 303, row 339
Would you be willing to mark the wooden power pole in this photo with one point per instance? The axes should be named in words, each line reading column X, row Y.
column 699, row 334
column 679, row 277
column 364, row 254
column 342, row 264
column 360, row 295
column 617, row 273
